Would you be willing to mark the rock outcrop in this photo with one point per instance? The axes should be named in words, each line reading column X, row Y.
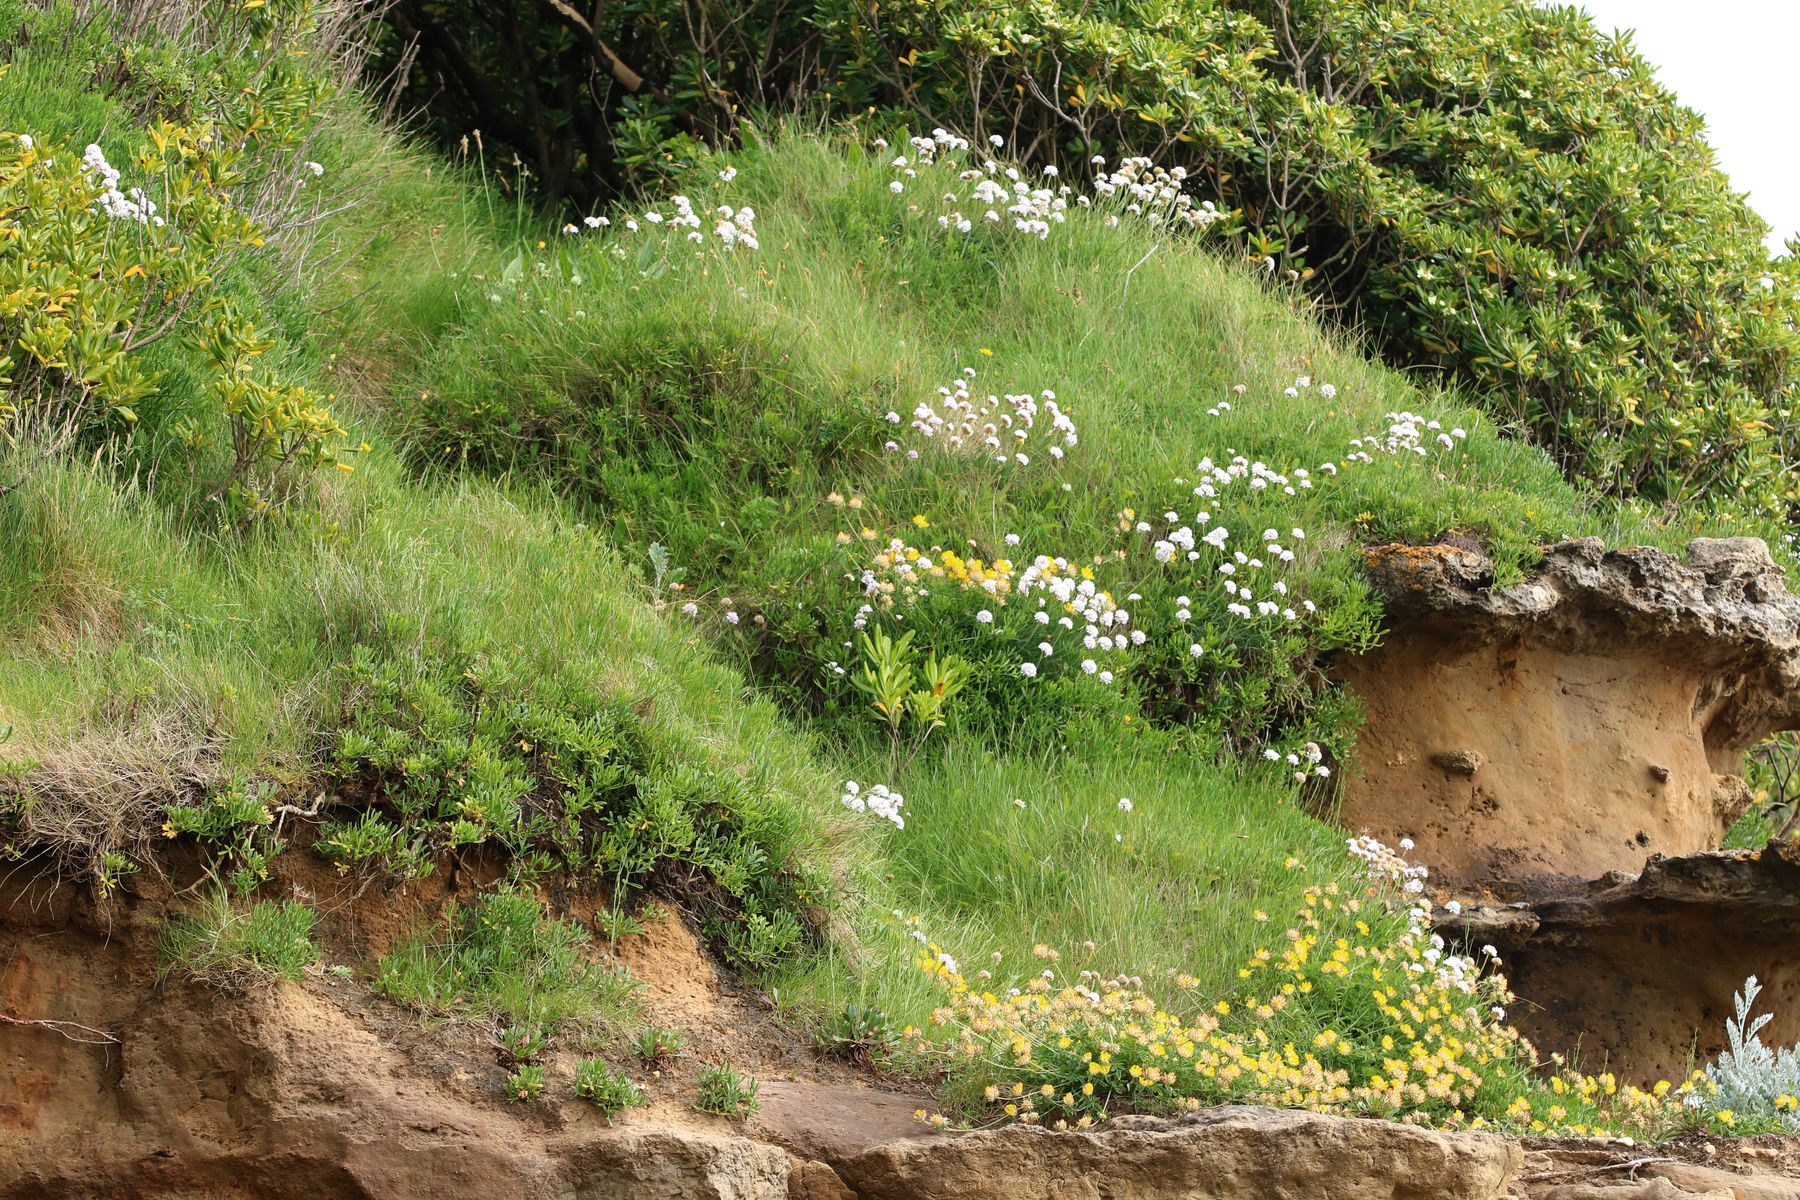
column 1233, row 1153
column 1568, row 725
column 1634, row 972
column 309, row 1091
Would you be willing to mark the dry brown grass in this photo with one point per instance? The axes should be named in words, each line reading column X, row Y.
column 69, row 805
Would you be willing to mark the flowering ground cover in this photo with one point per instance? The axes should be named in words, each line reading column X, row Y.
column 934, row 564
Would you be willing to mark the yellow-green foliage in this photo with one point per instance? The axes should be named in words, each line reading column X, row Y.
column 1358, row 1008
column 100, row 263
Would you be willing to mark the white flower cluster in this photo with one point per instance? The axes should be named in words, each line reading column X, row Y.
column 1307, row 762
column 731, row 227
column 989, row 192
column 1458, row 971
column 998, row 425
column 119, row 206
column 1154, row 193
column 878, row 798
column 1407, row 433
column 1105, row 626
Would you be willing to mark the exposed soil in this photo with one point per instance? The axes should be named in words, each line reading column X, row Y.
column 321, row 1090
column 176, row 1088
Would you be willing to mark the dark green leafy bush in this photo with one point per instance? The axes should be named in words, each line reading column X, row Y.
column 446, row 752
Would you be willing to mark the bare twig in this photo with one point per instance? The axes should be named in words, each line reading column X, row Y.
column 1631, row 1165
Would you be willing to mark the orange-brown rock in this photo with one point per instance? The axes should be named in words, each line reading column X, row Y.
column 1568, row 725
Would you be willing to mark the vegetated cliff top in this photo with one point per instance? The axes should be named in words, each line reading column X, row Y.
column 742, row 421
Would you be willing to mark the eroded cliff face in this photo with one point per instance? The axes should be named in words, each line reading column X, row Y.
column 1572, row 724
column 1638, row 972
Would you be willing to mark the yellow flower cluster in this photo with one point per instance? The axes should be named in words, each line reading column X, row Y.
column 1360, row 1012
column 899, row 569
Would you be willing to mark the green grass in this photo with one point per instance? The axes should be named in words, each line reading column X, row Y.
column 230, row 943
column 500, row 960
column 1174, row 885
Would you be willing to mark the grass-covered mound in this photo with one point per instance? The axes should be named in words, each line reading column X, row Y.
column 1497, row 191
column 655, row 538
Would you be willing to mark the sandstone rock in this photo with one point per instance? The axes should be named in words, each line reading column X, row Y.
column 832, row 1122
column 1638, row 1189
column 674, row 1164
column 1635, row 970
column 1458, row 762
column 1763, row 1168
column 1568, row 725
column 809, row 1179
column 1233, row 1153
column 1701, row 1181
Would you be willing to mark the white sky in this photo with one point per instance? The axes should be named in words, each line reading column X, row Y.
column 1733, row 61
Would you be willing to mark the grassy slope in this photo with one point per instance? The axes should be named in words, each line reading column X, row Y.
column 113, row 607
column 854, row 306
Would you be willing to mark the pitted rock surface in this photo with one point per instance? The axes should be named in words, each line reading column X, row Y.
column 1232, row 1153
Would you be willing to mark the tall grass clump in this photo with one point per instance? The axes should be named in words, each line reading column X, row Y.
column 225, row 942
column 500, row 960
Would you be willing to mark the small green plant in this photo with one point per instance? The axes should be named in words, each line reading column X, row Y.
column 726, row 1093
column 110, row 872
column 225, row 944
column 234, row 826
column 887, row 677
column 500, row 958
column 857, row 1032
column 525, row 1084
column 656, row 1046
column 523, row 1043
column 664, row 576
column 614, row 922
column 607, row 1090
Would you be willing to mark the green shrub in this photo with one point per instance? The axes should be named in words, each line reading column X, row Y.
column 452, row 751
column 500, row 959
column 224, row 943
column 100, row 264
column 1489, row 188
column 724, row 1092
column 607, row 1090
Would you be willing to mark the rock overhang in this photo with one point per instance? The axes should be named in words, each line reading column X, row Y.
column 1570, row 724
